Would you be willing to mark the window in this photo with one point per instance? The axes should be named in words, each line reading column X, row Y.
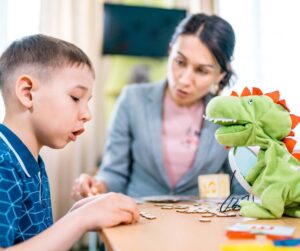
column 267, row 46
column 17, row 18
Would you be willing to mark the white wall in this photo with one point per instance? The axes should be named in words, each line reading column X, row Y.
column 267, row 46
column 18, row 18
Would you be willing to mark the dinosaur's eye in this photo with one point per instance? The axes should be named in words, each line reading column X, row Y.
column 250, row 101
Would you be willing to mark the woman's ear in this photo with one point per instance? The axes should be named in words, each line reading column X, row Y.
column 215, row 88
column 23, row 88
column 222, row 75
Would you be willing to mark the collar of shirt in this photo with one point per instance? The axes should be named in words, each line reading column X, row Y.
column 30, row 164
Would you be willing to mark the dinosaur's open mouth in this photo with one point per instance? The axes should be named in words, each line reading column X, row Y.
column 231, row 129
column 228, row 125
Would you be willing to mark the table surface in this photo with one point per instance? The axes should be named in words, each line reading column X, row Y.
column 172, row 231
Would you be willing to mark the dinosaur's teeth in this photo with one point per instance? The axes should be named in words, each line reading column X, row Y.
column 208, row 118
column 224, row 120
column 216, row 120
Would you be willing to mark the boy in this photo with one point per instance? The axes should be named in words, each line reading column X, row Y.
column 46, row 85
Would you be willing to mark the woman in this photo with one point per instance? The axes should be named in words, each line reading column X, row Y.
column 158, row 141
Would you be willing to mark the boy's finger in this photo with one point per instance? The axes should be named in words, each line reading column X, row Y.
column 127, row 217
column 130, row 206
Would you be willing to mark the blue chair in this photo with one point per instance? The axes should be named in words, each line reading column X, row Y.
column 241, row 160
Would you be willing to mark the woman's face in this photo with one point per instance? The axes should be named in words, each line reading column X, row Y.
column 192, row 70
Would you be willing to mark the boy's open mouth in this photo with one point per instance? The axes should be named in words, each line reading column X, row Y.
column 76, row 133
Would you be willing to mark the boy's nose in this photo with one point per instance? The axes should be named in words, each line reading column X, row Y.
column 86, row 115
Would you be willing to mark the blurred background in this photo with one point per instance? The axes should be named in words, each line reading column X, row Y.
column 267, row 56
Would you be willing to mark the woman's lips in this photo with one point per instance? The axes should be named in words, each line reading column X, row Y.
column 182, row 94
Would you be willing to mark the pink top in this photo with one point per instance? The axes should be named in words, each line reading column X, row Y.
column 181, row 130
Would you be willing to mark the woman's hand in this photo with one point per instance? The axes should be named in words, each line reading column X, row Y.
column 86, row 185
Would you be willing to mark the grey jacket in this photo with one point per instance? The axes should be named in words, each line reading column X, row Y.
column 133, row 160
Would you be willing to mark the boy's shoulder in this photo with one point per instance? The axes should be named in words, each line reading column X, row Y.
column 5, row 154
column 8, row 163
column 11, row 180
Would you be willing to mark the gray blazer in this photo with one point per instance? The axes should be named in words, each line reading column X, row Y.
column 133, row 161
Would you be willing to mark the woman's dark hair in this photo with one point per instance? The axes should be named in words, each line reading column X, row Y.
column 218, row 36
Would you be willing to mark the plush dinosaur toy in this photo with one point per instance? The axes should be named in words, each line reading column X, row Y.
column 257, row 119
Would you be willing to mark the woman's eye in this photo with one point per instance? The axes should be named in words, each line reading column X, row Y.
column 250, row 101
column 75, row 99
column 179, row 61
column 201, row 71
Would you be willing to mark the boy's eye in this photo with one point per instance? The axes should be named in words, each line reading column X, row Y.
column 75, row 99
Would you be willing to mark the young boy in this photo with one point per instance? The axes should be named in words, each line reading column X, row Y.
column 46, row 85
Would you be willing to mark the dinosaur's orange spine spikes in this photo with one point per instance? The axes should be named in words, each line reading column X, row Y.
column 233, row 93
column 295, row 120
column 296, row 155
column 291, row 134
column 283, row 103
column 257, row 91
column 245, row 92
column 274, row 95
column 290, row 144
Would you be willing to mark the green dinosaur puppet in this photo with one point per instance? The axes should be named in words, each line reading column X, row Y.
column 257, row 119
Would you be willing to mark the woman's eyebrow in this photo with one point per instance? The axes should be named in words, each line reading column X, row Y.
column 198, row 65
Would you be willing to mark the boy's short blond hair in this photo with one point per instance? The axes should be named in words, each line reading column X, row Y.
column 41, row 54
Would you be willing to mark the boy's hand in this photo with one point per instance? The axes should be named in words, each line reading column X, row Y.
column 86, row 185
column 106, row 210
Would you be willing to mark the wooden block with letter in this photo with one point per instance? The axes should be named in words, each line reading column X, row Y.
column 214, row 185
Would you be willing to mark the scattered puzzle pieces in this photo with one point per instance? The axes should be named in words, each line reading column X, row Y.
column 204, row 220
column 207, row 210
column 147, row 216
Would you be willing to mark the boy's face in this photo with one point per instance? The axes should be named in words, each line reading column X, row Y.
column 60, row 106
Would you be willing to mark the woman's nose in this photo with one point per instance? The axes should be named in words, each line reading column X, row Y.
column 186, row 76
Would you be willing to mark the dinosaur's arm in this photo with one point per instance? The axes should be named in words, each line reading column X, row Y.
column 255, row 171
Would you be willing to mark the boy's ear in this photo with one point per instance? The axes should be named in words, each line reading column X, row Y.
column 24, row 86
